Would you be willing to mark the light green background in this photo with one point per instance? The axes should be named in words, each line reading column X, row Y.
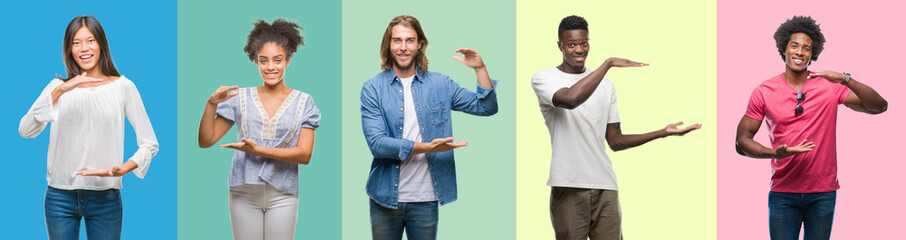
column 667, row 187
column 211, row 37
column 486, row 173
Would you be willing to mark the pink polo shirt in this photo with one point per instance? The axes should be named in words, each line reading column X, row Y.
column 774, row 102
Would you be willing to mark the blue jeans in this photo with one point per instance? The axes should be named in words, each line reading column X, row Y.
column 418, row 219
column 64, row 209
column 789, row 211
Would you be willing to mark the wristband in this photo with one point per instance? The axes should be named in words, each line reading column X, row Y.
column 848, row 76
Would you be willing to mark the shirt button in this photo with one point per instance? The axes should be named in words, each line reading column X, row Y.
column 401, row 90
column 401, row 109
column 401, row 128
column 397, row 166
column 394, row 184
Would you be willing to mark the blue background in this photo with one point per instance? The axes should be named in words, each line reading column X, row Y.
column 142, row 40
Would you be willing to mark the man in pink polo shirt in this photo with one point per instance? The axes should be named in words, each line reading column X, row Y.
column 800, row 108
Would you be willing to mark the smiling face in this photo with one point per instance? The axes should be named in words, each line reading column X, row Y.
column 574, row 46
column 404, row 46
column 798, row 53
column 85, row 49
column 272, row 63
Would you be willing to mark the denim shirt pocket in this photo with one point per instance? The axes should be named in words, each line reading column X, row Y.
column 438, row 113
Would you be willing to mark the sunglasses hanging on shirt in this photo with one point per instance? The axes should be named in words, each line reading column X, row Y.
column 800, row 97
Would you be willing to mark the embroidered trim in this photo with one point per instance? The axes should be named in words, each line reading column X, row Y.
column 297, row 123
column 242, row 102
column 269, row 128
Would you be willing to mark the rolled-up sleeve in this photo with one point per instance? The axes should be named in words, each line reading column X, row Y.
column 144, row 133
column 381, row 143
column 482, row 102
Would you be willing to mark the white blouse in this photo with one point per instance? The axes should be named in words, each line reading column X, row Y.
column 87, row 132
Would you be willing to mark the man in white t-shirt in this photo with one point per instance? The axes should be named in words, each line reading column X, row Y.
column 577, row 104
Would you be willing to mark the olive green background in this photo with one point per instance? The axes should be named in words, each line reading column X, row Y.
column 211, row 37
column 486, row 168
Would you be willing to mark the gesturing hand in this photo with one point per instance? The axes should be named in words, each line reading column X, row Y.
column 622, row 62
column 472, row 58
column 672, row 129
column 76, row 81
column 222, row 94
column 831, row 76
column 115, row 171
column 786, row 151
column 441, row 145
column 247, row 145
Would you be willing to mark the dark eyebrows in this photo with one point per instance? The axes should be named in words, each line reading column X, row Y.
column 399, row 38
column 577, row 40
column 265, row 57
column 798, row 43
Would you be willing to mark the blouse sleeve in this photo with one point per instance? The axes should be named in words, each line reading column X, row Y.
column 312, row 115
column 227, row 109
column 40, row 113
column 138, row 117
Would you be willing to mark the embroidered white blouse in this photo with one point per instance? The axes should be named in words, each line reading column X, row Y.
column 87, row 132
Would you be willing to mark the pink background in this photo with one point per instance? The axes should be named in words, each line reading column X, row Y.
column 866, row 39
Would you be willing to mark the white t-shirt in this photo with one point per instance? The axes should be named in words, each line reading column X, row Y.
column 87, row 132
column 415, row 179
column 578, row 146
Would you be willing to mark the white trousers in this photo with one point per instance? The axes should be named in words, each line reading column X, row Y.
column 262, row 212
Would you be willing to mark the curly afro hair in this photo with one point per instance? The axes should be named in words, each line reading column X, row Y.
column 572, row 22
column 284, row 33
column 800, row 24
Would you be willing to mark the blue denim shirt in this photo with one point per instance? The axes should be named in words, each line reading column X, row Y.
column 434, row 95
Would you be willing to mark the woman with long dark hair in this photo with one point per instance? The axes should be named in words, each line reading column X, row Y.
column 84, row 159
column 276, row 132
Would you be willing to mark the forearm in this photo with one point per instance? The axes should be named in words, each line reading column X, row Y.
column 482, row 102
column 579, row 92
column 55, row 94
column 376, row 130
column 127, row 167
column 388, row 147
column 294, row 155
column 206, row 126
column 750, row 148
column 420, row 147
column 871, row 99
column 41, row 112
column 29, row 127
column 627, row 141
column 483, row 78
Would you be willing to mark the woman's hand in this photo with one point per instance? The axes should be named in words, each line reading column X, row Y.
column 115, row 171
column 222, row 94
column 72, row 84
column 76, row 81
column 246, row 145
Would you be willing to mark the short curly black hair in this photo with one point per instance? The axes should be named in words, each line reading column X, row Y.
column 800, row 24
column 572, row 22
column 284, row 33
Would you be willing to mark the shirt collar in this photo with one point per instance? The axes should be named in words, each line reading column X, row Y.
column 419, row 74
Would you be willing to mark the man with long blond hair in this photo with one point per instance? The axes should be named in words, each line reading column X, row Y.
column 410, row 175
